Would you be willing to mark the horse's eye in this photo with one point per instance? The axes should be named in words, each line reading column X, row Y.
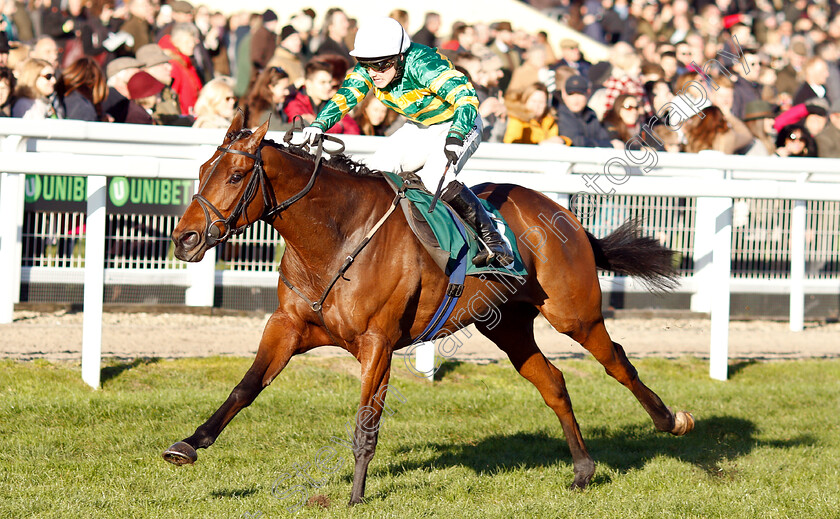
column 235, row 178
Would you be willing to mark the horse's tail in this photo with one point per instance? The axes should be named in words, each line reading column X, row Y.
column 626, row 252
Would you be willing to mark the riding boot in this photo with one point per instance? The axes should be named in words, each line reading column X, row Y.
column 467, row 205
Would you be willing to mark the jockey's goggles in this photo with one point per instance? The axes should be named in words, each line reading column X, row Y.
column 379, row 65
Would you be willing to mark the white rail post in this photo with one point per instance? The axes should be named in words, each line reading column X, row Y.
column 202, row 276
column 424, row 359
column 797, row 266
column 94, row 280
column 11, row 229
column 707, row 210
column 718, row 279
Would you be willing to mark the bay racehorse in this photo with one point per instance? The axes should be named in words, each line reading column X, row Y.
column 324, row 210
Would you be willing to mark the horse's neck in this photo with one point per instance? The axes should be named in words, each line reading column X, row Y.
column 322, row 227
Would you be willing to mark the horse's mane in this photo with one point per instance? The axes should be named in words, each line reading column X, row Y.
column 339, row 162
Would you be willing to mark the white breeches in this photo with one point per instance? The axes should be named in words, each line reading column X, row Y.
column 419, row 148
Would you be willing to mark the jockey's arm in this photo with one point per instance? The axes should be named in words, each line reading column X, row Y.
column 453, row 87
column 355, row 87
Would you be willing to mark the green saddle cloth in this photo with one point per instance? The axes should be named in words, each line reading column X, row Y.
column 450, row 239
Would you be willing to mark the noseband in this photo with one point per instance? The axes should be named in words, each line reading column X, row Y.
column 212, row 234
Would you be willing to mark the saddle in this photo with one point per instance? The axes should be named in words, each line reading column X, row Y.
column 444, row 235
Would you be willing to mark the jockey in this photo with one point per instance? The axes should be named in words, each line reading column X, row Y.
column 443, row 128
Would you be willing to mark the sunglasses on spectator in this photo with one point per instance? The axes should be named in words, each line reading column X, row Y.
column 48, row 76
column 279, row 70
column 379, row 65
column 630, row 106
column 795, row 136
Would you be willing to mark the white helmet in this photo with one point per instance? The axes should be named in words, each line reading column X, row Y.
column 379, row 38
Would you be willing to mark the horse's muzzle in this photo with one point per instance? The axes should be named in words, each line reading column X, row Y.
column 188, row 246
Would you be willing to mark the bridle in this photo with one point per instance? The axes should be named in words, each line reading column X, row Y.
column 258, row 180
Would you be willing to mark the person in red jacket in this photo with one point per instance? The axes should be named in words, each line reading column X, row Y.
column 318, row 89
column 179, row 45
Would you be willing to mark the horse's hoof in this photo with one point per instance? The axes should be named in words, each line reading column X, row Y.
column 683, row 423
column 180, row 453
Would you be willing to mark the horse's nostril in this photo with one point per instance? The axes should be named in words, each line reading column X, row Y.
column 189, row 240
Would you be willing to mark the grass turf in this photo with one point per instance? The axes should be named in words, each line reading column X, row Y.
column 477, row 443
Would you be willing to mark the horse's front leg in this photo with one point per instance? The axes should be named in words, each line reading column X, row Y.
column 280, row 340
column 375, row 356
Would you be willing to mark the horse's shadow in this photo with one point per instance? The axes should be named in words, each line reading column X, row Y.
column 714, row 440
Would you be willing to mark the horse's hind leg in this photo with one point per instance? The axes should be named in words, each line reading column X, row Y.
column 279, row 342
column 514, row 334
column 611, row 355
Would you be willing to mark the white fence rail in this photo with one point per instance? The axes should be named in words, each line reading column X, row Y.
column 98, row 150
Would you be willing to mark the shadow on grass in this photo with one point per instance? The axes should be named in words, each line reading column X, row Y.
column 737, row 367
column 233, row 493
column 714, row 440
column 447, row 366
column 112, row 372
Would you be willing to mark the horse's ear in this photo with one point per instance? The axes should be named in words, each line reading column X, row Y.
column 256, row 138
column 236, row 125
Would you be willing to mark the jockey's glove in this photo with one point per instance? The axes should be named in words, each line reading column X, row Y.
column 453, row 148
column 312, row 134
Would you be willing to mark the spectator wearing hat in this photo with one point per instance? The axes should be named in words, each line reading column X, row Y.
column 577, row 121
column 758, row 117
column 428, row 34
column 185, row 79
column 156, row 62
column 828, row 140
column 139, row 24
column 118, row 73
column 184, row 13
column 570, row 56
column 336, row 28
column 263, row 43
column 502, row 46
column 143, row 93
column 287, row 55
column 181, row 12
column 529, row 118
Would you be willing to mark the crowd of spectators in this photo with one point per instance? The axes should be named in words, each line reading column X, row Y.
column 767, row 70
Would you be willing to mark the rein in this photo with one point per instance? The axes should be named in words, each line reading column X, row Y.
column 214, row 235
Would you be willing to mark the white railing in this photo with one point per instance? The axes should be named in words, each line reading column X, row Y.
column 99, row 150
